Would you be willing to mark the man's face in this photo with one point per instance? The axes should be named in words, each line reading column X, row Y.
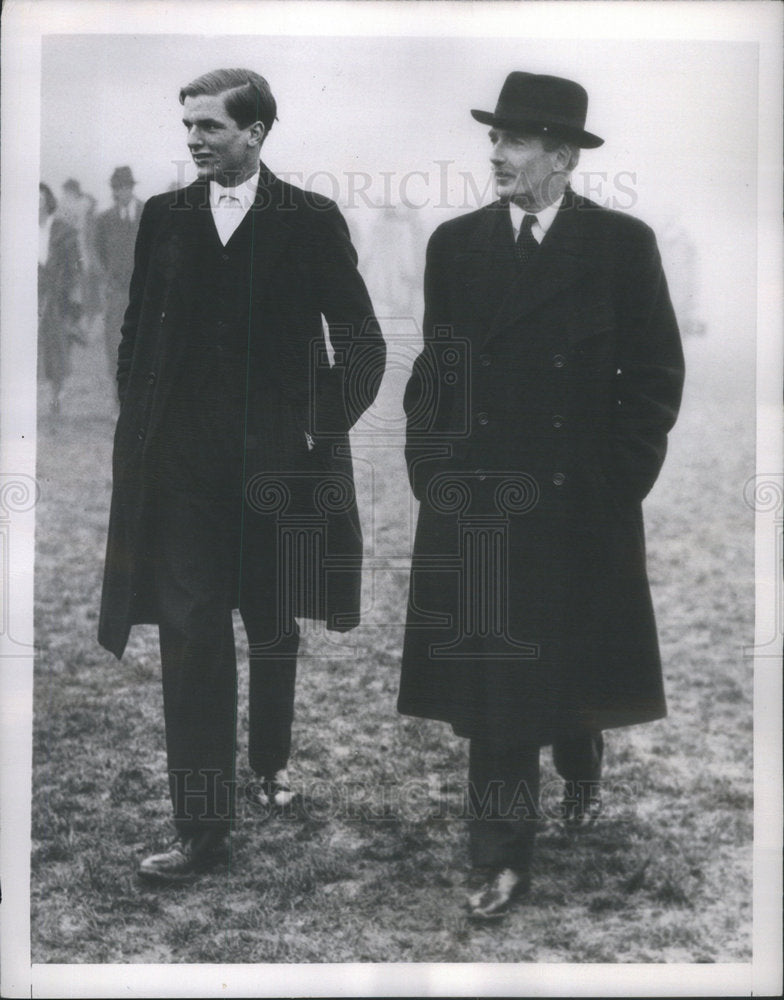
column 123, row 194
column 221, row 150
column 524, row 171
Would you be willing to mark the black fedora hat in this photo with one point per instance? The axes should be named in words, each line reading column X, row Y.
column 122, row 177
column 542, row 104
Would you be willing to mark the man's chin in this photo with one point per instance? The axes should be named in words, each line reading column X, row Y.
column 504, row 191
column 205, row 171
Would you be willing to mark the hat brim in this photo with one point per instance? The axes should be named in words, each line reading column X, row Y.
column 583, row 139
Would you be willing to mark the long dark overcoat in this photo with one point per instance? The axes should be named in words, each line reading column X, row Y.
column 538, row 415
column 300, row 515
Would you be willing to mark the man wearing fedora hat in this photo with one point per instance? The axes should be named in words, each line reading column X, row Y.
column 115, row 238
column 538, row 415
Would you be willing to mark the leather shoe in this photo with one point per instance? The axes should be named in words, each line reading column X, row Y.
column 494, row 897
column 185, row 857
column 275, row 791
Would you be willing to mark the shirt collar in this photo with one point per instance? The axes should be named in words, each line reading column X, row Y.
column 246, row 192
column 544, row 217
column 128, row 211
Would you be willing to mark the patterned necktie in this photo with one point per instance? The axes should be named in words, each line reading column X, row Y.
column 526, row 244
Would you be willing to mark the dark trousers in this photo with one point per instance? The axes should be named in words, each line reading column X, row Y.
column 195, row 558
column 503, row 794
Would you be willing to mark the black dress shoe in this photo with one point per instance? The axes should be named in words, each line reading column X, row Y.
column 494, row 897
column 185, row 858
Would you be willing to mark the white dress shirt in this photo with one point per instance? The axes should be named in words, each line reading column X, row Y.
column 229, row 205
column 544, row 219
column 128, row 212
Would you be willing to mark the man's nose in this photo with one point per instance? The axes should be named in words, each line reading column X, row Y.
column 496, row 156
column 195, row 137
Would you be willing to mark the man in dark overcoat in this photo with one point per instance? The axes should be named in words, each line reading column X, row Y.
column 233, row 481
column 538, row 415
column 115, row 239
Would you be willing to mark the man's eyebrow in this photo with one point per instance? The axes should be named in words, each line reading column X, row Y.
column 202, row 122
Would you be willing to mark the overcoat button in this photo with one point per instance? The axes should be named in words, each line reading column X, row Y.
column 559, row 361
column 559, row 479
column 163, row 315
column 224, row 257
column 140, row 434
column 558, row 421
column 486, row 360
column 151, row 378
column 483, row 419
column 480, row 475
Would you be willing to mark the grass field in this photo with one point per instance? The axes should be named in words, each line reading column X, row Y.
column 370, row 864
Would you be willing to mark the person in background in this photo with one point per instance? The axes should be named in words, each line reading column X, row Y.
column 115, row 238
column 92, row 276
column 59, row 309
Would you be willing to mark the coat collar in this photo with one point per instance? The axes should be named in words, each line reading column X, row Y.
column 267, row 216
column 566, row 253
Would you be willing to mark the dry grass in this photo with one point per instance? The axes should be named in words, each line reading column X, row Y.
column 370, row 865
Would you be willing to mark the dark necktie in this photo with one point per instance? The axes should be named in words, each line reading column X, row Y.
column 526, row 244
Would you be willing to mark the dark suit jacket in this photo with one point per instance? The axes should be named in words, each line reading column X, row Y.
column 538, row 415
column 303, row 267
column 115, row 239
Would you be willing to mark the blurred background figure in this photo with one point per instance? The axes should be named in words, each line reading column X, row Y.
column 59, row 309
column 78, row 210
column 92, row 274
column 115, row 238
column 394, row 259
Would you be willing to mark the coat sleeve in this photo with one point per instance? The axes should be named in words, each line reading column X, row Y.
column 650, row 370
column 130, row 323
column 344, row 391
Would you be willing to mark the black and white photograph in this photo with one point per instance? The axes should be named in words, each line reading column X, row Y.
column 392, row 498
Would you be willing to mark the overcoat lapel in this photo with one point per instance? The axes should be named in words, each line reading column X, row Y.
column 190, row 223
column 488, row 266
column 269, row 222
column 187, row 226
column 564, row 255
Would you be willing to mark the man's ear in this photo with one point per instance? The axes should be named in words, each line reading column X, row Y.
column 257, row 133
column 563, row 155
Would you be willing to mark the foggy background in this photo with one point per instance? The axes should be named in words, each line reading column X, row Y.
column 384, row 121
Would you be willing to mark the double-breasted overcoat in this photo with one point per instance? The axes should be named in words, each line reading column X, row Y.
column 299, row 512
column 538, row 415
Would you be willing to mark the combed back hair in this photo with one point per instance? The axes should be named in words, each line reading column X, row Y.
column 51, row 201
column 247, row 96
